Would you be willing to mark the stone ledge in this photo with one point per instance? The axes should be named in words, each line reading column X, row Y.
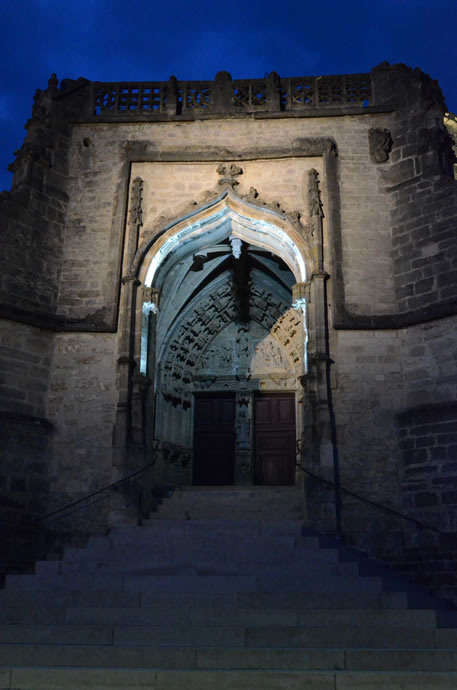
column 94, row 323
column 345, row 320
column 197, row 116
column 21, row 418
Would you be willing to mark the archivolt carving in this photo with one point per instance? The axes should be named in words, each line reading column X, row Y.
column 164, row 223
column 268, row 356
column 193, row 347
column 192, row 338
column 281, row 320
column 294, row 217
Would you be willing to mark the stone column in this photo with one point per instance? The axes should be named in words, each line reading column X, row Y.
column 126, row 361
column 150, row 309
column 318, row 367
column 126, row 366
column 243, row 442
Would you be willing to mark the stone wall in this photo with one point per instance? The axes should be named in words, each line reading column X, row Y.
column 390, row 209
column 25, row 435
column 274, row 159
column 421, row 186
column 394, row 398
column 32, row 237
column 33, row 213
column 81, row 406
column 427, row 429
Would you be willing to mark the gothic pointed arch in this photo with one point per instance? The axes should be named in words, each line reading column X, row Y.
column 253, row 221
column 217, row 314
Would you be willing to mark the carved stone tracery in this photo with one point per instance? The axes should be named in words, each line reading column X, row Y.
column 380, row 144
column 136, row 203
column 201, row 348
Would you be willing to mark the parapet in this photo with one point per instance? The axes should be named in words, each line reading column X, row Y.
column 385, row 88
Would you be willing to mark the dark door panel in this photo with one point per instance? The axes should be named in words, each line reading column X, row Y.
column 214, row 440
column 274, row 420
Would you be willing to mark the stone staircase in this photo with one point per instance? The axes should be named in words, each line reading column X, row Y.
column 221, row 590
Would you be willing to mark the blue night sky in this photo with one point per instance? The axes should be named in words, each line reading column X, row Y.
column 110, row 40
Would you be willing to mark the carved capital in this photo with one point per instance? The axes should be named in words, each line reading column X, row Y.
column 300, row 296
column 130, row 279
column 300, row 291
column 319, row 275
column 141, row 383
column 125, row 361
column 151, row 298
column 299, row 305
column 318, row 357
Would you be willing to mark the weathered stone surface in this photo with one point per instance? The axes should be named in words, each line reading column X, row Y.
column 154, row 259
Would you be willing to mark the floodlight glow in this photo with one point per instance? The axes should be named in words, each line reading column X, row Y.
column 171, row 242
column 258, row 232
column 300, row 305
column 227, row 222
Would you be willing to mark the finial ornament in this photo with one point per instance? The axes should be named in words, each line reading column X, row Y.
column 229, row 173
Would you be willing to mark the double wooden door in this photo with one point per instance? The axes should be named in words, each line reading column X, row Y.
column 273, row 438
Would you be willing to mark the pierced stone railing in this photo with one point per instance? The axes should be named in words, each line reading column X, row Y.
column 127, row 100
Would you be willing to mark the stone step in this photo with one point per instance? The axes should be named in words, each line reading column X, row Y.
column 233, row 600
column 128, row 543
column 235, row 495
column 39, row 678
column 191, row 616
column 226, row 547
column 56, row 634
column 224, row 600
column 220, row 567
column 317, row 582
column 70, row 597
column 249, row 583
column 240, row 526
column 191, row 512
column 223, row 658
column 246, row 502
column 232, row 634
column 188, row 554
column 213, row 615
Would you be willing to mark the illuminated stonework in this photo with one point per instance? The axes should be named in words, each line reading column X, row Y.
column 245, row 242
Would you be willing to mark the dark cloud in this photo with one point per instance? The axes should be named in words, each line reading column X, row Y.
column 151, row 39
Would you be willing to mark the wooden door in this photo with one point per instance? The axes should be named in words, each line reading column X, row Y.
column 214, row 439
column 274, row 425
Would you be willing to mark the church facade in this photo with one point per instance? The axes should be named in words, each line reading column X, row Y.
column 237, row 282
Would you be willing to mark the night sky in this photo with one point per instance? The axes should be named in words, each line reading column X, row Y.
column 110, row 40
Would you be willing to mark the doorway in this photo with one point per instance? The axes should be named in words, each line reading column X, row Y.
column 274, row 430
column 214, row 439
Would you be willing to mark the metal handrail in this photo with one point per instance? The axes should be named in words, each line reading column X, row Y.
column 62, row 511
column 379, row 506
column 78, row 504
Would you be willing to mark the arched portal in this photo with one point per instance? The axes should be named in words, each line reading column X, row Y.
column 223, row 344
